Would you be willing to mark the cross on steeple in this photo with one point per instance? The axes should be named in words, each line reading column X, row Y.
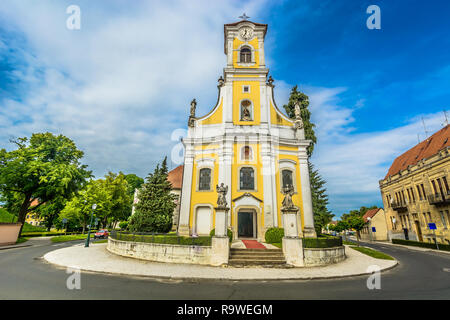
column 244, row 17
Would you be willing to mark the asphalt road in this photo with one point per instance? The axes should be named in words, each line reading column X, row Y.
column 24, row 275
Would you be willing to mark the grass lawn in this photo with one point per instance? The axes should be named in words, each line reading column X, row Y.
column 5, row 216
column 101, row 241
column 22, row 240
column 70, row 238
column 277, row 244
column 373, row 253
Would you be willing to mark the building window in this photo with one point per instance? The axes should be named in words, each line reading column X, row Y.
column 204, row 179
column 246, row 153
column 246, row 110
column 287, row 178
column 247, row 178
column 423, row 191
column 246, row 55
column 443, row 219
column 419, row 192
column 245, row 89
column 446, row 184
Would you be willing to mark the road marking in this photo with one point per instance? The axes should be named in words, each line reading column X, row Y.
column 446, row 269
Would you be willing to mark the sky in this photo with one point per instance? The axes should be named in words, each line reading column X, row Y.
column 121, row 85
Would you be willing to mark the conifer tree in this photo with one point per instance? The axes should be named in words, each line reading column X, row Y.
column 322, row 216
column 154, row 209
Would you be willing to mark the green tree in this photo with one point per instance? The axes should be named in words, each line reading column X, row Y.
column 51, row 210
column 43, row 167
column 154, row 210
column 322, row 216
column 134, row 182
column 355, row 222
column 303, row 101
column 119, row 197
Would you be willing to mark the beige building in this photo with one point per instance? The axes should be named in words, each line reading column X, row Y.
column 376, row 227
column 416, row 192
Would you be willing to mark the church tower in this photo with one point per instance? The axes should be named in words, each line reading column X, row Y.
column 249, row 145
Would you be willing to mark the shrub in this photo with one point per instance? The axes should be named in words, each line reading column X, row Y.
column 162, row 239
column 274, row 235
column 123, row 225
column 444, row 247
column 322, row 242
column 229, row 234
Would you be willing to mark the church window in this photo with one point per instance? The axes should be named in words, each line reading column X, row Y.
column 247, row 178
column 245, row 55
column 287, row 178
column 205, row 179
column 246, row 110
column 246, row 89
column 246, row 153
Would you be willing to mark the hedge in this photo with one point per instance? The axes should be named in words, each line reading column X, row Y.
column 322, row 242
column 444, row 247
column 229, row 234
column 274, row 235
column 162, row 239
column 50, row 233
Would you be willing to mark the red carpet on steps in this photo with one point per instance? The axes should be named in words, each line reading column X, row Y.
column 253, row 244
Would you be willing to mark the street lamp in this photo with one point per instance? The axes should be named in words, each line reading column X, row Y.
column 90, row 224
column 370, row 229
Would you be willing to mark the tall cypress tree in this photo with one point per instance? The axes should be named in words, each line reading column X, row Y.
column 154, row 210
column 322, row 216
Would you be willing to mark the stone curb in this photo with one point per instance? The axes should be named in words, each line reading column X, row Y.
column 14, row 246
column 220, row 278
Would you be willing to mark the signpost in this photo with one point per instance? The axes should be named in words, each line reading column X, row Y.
column 432, row 226
column 64, row 221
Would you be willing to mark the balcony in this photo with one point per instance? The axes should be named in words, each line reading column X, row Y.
column 399, row 206
column 439, row 199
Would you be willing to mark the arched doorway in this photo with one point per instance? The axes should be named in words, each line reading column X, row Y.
column 247, row 223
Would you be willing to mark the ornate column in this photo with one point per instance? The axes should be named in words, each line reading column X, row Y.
column 308, row 216
column 292, row 244
column 220, row 242
column 185, row 206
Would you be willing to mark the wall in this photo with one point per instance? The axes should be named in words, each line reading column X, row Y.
column 323, row 256
column 161, row 252
column 9, row 233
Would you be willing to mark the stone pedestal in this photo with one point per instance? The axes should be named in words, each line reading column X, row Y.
column 221, row 222
column 292, row 244
column 220, row 250
column 293, row 251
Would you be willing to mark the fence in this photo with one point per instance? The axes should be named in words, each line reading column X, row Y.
column 161, row 238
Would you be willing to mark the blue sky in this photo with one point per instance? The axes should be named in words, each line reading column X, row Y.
column 120, row 86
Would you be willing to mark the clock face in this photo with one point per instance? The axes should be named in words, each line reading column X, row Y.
column 246, row 33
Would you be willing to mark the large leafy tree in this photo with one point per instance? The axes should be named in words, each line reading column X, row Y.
column 154, row 209
column 134, row 182
column 51, row 210
column 322, row 216
column 43, row 167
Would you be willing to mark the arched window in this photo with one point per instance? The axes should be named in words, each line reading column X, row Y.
column 246, row 111
column 287, row 178
column 247, row 178
column 204, row 179
column 245, row 55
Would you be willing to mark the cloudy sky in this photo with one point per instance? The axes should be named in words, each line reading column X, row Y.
column 120, row 86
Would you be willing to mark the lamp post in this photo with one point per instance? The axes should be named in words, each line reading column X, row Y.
column 370, row 229
column 89, row 232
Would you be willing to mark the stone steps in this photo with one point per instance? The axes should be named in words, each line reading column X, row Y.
column 256, row 257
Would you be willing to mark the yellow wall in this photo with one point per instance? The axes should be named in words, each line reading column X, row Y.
column 253, row 96
column 254, row 44
column 276, row 118
column 215, row 117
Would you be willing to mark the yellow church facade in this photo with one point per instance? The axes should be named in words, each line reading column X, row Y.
column 249, row 145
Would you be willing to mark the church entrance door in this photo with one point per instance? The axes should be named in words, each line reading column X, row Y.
column 246, row 224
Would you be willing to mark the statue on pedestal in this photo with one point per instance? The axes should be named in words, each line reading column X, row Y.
column 298, row 122
column 222, row 192
column 191, row 120
column 287, row 204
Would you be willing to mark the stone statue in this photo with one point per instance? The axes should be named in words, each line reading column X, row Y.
column 222, row 192
column 298, row 122
column 287, row 203
column 193, row 106
column 245, row 111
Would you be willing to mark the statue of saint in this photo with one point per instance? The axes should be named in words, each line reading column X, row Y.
column 287, row 203
column 193, row 106
column 297, row 111
column 245, row 111
column 222, row 192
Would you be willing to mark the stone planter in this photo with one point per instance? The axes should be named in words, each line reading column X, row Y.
column 9, row 233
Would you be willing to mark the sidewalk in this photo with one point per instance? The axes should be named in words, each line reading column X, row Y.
column 97, row 259
column 403, row 246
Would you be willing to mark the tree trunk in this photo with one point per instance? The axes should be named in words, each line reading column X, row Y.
column 23, row 211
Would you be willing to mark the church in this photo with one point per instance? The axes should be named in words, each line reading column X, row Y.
column 247, row 144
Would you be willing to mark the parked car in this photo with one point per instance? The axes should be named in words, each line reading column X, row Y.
column 103, row 233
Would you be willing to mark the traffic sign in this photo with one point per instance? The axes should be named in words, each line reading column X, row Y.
column 432, row 226
column 373, row 229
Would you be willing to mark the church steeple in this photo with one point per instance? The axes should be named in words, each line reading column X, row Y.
column 244, row 45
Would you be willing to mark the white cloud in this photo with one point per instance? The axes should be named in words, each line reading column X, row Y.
column 121, row 84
